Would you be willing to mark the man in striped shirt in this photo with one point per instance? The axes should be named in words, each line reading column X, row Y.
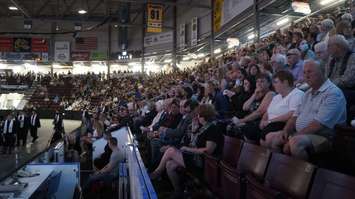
column 311, row 129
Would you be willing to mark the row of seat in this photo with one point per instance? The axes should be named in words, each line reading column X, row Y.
column 249, row 171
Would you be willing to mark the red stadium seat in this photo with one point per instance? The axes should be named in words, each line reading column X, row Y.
column 286, row 177
column 231, row 151
column 344, row 147
column 253, row 160
column 332, row 185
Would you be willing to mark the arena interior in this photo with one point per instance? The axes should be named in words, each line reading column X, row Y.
column 175, row 99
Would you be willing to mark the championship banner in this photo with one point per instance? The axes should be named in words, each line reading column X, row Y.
column 217, row 15
column 194, row 31
column 62, row 51
column 154, row 17
column 182, row 36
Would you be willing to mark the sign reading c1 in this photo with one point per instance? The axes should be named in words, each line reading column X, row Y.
column 154, row 17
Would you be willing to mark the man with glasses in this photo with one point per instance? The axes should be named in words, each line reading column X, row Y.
column 295, row 64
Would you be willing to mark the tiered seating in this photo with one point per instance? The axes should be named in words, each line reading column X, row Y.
column 60, row 90
column 332, row 185
column 250, row 171
column 286, row 177
column 231, row 153
column 344, row 147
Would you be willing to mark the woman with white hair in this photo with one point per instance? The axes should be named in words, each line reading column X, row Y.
column 278, row 62
column 325, row 27
column 322, row 55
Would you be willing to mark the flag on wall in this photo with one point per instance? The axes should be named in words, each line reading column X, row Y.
column 86, row 43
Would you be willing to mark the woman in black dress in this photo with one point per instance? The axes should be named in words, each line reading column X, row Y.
column 205, row 138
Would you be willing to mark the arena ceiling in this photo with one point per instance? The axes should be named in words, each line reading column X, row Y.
column 68, row 9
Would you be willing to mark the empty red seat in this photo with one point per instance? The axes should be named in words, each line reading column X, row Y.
column 344, row 147
column 286, row 177
column 253, row 160
column 332, row 185
column 231, row 151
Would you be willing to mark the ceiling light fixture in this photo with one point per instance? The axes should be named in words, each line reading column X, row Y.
column 325, row 2
column 201, row 55
column 283, row 21
column 217, row 51
column 251, row 36
column 13, row 8
column 168, row 61
column 82, row 12
column 301, row 7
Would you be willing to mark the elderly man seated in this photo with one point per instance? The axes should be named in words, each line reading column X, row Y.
column 295, row 64
column 341, row 68
column 311, row 129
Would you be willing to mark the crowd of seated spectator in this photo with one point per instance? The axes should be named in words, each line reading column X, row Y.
column 287, row 92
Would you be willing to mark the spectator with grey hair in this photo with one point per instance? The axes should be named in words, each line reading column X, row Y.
column 347, row 17
column 325, row 27
column 344, row 28
column 321, row 50
column 295, row 64
column 278, row 62
column 311, row 128
column 341, row 68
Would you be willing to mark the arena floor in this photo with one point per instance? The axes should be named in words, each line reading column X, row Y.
column 23, row 154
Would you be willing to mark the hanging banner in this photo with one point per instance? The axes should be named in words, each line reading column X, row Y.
column 22, row 44
column 154, row 17
column 39, row 45
column 62, row 51
column 6, row 44
column 157, row 39
column 217, row 15
column 194, row 31
column 182, row 36
column 80, row 56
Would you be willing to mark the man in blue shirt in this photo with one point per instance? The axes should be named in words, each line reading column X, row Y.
column 311, row 129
